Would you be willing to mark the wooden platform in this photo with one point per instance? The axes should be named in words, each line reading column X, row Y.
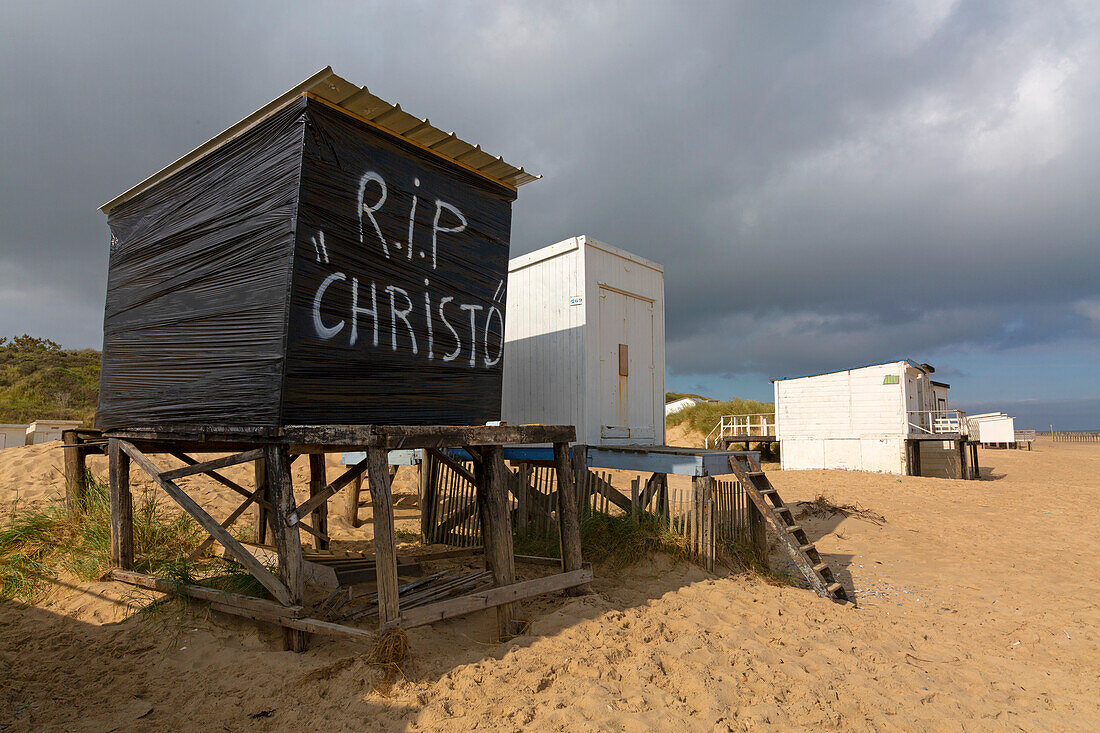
column 272, row 450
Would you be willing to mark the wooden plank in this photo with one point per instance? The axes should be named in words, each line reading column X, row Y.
column 385, row 546
column 427, row 496
column 317, row 483
column 286, row 538
column 452, row 464
column 122, row 507
column 214, row 474
column 496, row 530
column 397, row 437
column 207, row 466
column 258, row 571
column 493, row 597
column 523, row 490
column 203, row 593
column 568, row 514
column 300, row 625
column 324, row 494
column 76, row 472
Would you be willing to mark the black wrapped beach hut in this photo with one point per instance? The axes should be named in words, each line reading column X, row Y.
column 328, row 274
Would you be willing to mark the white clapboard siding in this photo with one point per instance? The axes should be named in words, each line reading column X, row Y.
column 852, row 419
column 569, row 307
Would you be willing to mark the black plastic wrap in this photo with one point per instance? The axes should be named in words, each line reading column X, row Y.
column 417, row 360
column 273, row 283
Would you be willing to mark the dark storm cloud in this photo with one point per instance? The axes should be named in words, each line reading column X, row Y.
column 825, row 183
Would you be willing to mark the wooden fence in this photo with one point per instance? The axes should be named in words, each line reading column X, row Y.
column 1086, row 437
column 712, row 515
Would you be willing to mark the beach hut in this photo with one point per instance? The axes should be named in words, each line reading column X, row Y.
column 993, row 429
column 43, row 431
column 584, row 343
column 675, row 406
column 12, row 435
column 887, row 418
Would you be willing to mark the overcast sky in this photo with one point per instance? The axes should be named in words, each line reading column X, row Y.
column 826, row 184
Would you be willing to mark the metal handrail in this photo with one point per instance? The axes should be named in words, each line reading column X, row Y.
column 937, row 422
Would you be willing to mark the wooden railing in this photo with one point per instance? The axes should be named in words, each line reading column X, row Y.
column 760, row 424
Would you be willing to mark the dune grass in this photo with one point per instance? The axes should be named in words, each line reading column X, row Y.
column 611, row 540
column 38, row 544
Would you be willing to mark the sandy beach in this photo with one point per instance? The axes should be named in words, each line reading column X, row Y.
column 976, row 611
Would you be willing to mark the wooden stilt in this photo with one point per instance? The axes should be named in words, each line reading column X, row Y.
column 76, row 473
column 288, row 543
column 351, row 501
column 496, row 530
column 122, row 508
column 964, row 464
column 568, row 512
column 523, row 472
column 385, row 545
column 427, row 496
column 317, row 482
column 260, row 528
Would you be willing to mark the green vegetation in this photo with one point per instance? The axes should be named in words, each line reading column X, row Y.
column 40, row 380
column 39, row 543
column 703, row 417
column 612, row 540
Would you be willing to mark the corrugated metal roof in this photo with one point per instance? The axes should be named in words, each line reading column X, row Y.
column 330, row 88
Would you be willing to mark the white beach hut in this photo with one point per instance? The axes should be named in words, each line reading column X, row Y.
column 12, row 435
column 584, row 342
column 993, row 428
column 888, row 418
column 43, row 431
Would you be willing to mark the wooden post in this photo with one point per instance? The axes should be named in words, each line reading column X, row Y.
column 522, row 488
column 351, row 501
column 122, row 508
column 568, row 519
column 974, row 455
column 385, row 545
column 496, row 530
column 76, row 473
column 428, row 499
column 259, row 531
column 317, row 482
column 288, row 541
column 634, row 500
column 964, row 464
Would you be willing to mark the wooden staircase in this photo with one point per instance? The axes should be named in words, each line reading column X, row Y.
column 780, row 517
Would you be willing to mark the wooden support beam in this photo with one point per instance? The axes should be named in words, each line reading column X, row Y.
column 214, row 474
column 122, row 506
column 428, row 497
column 203, row 593
column 287, row 539
column 385, row 545
column 298, row 625
column 499, row 597
column 76, row 473
column 568, row 514
column 317, row 484
column 259, row 533
column 241, row 555
column 208, row 466
column 496, row 530
column 351, row 501
column 324, row 494
column 610, row 493
column 454, row 465
column 227, row 523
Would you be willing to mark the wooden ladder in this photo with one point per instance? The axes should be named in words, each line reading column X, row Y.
column 794, row 539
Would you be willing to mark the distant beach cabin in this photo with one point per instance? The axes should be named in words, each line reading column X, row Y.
column 677, row 405
column 12, row 435
column 584, row 343
column 993, row 428
column 886, row 418
column 43, row 431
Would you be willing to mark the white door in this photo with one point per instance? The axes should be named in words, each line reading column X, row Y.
column 626, row 366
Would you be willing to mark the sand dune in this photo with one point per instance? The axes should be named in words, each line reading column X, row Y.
column 977, row 612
